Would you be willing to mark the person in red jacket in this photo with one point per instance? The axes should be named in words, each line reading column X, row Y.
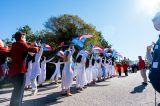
column 141, row 66
column 118, row 65
column 3, row 53
column 18, row 69
column 125, row 68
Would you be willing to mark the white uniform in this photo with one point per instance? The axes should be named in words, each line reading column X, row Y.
column 81, row 79
column 110, row 68
column 67, row 73
column 94, row 71
column 89, row 72
column 42, row 76
column 57, row 73
column 28, row 74
column 99, row 68
column 36, row 70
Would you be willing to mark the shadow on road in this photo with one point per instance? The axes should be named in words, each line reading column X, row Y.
column 138, row 89
column 50, row 99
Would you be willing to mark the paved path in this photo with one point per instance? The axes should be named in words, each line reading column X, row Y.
column 125, row 91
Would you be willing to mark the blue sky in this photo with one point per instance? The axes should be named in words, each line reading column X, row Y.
column 126, row 24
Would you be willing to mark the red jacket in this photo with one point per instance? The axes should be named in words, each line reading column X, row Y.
column 118, row 66
column 3, row 53
column 125, row 66
column 141, row 64
column 19, row 52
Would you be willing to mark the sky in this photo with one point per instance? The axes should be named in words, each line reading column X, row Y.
column 125, row 24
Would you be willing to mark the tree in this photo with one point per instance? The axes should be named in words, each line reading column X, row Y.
column 66, row 27
column 30, row 37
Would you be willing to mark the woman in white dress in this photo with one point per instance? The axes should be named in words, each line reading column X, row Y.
column 99, row 68
column 42, row 76
column 89, row 70
column 94, row 71
column 28, row 74
column 36, row 70
column 57, row 73
column 81, row 79
column 67, row 73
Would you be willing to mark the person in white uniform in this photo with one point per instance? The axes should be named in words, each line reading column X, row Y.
column 57, row 73
column 81, row 79
column 42, row 76
column 36, row 70
column 67, row 73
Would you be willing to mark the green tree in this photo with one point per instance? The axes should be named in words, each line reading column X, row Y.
column 66, row 27
column 30, row 36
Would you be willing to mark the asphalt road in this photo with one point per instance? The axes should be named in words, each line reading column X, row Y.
column 124, row 91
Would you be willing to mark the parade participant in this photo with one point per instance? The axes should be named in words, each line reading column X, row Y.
column 118, row 65
column 3, row 53
column 110, row 68
column 42, row 76
column 94, row 71
column 28, row 75
column 99, row 64
column 36, row 70
column 29, row 69
column 89, row 70
column 113, row 68
column 57, row 72
column 67, row 73
column 125, row 68
column 105, row 64
column 81, row 79
column 141, row 66
column 18, row 69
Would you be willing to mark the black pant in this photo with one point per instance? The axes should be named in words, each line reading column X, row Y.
column 18, row 82
column 119, row 72
column 126, row 72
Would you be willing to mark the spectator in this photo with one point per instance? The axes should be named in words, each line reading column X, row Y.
column 142, row 69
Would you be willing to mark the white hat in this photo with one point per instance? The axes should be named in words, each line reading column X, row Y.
column 156, row 21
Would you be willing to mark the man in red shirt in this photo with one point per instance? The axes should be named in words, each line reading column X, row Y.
column 141, row 66
column 18, row 69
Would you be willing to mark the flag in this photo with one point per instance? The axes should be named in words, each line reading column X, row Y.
column 86, row 53
column 105, row 51
column 78, row 43
column 118, row 54
column 114, row 53
column 46, row 47
column 80, row 53
column 96, row 48
column 62, row 44
column 85, row 36
column 60, row 53
column 109, row 54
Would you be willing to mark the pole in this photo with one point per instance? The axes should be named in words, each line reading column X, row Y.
column 155, row 98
